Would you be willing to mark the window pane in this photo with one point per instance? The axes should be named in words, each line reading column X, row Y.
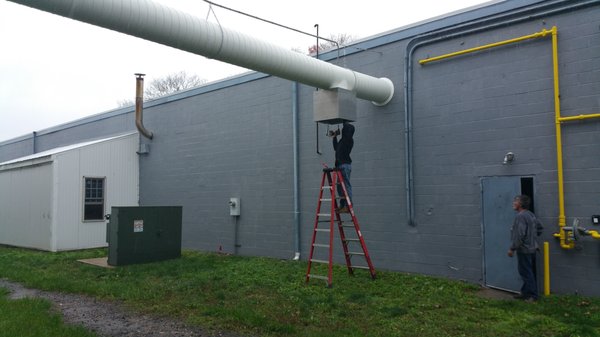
column 94, row 199
column 94, row 212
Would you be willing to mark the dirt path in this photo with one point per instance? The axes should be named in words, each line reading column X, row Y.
column 109, row 318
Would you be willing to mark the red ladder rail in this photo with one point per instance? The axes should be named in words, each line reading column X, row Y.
column 335, row 217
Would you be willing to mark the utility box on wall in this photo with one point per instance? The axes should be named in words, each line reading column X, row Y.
column 143, row 234
column 334, row 106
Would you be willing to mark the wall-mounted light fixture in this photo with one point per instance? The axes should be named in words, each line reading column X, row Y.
column 508, row 158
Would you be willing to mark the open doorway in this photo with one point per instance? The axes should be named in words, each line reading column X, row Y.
column 527, row 189
column 500, row 271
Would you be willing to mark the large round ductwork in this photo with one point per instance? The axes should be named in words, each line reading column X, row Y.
column 158, row 23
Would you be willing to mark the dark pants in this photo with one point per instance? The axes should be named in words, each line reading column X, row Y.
column 527, row 270
column 346, row 169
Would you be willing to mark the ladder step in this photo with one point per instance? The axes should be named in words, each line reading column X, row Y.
column 324, row 214
column 320, row 245
column 320, row 277
column 356, row 253
column 326, row 199
column 348, row 225
column 322, row 230
column 326, row 187
column 319, row 261
column 361, row 267
column 352, row 240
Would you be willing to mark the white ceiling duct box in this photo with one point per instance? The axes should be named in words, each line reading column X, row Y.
column 334, row 106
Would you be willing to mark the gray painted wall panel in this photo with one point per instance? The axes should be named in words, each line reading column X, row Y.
column 15, row 149
column 456, row 136
column 236, row 144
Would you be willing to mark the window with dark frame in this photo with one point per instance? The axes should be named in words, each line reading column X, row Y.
column 93, row 208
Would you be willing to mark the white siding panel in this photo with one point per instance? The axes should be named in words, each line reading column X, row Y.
column 26, row 206
column 68, row 200
column 116, row 160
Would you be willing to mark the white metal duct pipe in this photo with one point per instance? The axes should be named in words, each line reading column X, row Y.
column 155, row 22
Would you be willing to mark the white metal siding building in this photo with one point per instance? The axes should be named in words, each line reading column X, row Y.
column 55, row 200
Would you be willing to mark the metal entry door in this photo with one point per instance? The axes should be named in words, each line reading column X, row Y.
column 500, row 271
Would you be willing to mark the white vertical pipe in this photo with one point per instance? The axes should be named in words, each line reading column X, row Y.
column 155, row 22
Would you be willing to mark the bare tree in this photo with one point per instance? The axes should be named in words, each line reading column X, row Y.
column 172, row 83
column 342, row 39
column 167, row 85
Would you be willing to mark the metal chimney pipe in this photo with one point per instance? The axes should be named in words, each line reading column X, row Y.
column 155, row 22
column 139, row 106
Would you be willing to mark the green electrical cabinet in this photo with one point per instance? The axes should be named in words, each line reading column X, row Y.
column 143, row 234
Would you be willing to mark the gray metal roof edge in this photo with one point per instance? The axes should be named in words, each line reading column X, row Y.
column 52, row 152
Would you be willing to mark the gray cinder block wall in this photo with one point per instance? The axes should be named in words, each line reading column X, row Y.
column 467, row 113
column 234, row 139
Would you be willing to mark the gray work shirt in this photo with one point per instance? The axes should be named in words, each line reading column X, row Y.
column 525, row 228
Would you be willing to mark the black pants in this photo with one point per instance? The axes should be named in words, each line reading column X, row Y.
column 527, row 270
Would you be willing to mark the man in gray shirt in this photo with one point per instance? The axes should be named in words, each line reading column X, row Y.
column 523, row 234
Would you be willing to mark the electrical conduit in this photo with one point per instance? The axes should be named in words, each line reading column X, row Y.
column 296, row 173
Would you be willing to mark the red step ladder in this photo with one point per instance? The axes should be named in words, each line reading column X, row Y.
column 332, row 179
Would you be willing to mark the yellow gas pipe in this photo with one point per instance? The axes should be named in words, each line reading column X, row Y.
column 542, row 33
column 546, row 269
column 566, row 238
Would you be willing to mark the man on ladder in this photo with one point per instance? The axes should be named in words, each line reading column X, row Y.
column 343, row 162
column 353, row 243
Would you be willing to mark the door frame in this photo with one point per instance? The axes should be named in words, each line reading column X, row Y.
column 529, row 189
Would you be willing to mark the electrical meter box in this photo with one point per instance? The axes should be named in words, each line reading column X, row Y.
column 143, row 234
column 334, row 106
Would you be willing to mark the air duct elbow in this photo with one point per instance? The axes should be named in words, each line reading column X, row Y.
column 380, row 91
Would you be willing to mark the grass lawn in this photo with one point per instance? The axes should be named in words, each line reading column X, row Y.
column 33, row 318
column 268, row 297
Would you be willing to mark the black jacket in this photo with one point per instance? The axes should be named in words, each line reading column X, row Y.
column 344, row 146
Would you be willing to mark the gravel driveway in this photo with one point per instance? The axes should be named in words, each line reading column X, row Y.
column 109, row 319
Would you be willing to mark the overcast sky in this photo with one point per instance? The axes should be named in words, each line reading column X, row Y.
column 54, row 70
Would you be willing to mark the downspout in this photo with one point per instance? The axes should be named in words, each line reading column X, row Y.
column 139, row 106
column 436, row 36
column 161, row 24
column 296, row 171
column 34, row 142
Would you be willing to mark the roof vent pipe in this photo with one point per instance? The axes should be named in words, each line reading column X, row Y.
column 155, row 22
column 139, row 106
